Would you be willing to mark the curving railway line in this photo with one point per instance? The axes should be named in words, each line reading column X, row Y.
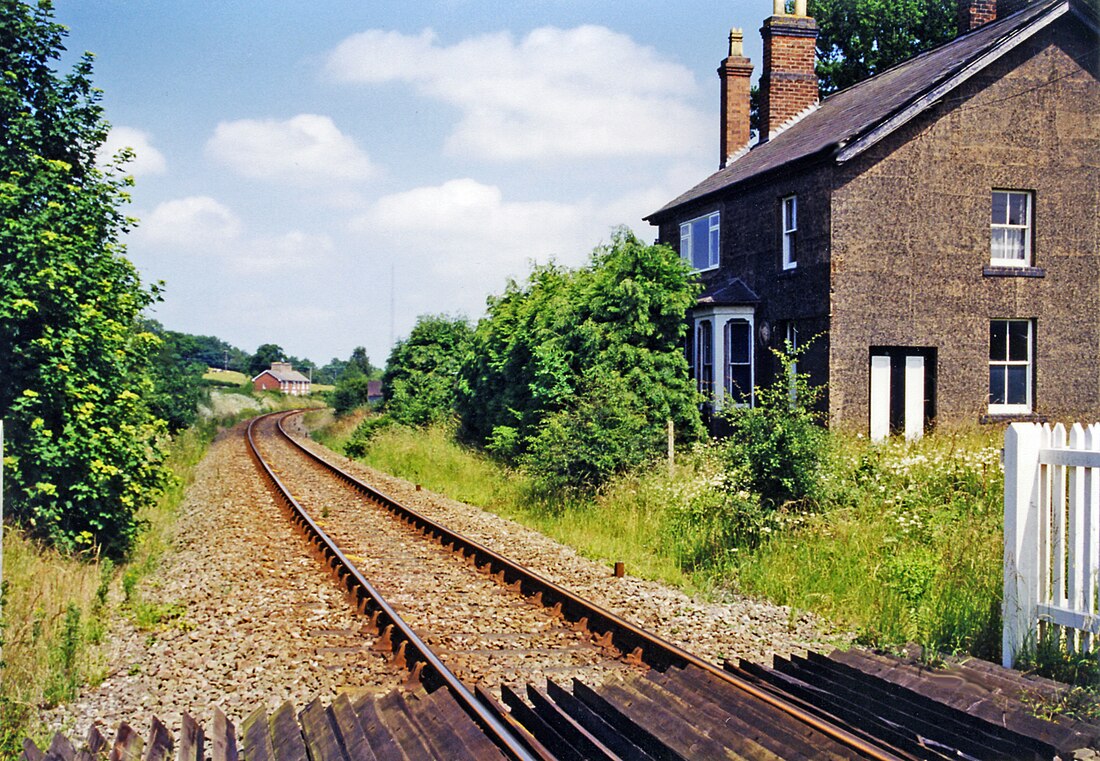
column 499, row 662
column 614, row 690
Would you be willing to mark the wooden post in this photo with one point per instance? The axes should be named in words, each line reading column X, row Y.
column 671, row 446
column 1021, row 530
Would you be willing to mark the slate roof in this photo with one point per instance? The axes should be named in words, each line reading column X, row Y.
column 285, row 375
column 850, row 116
column 729, row 294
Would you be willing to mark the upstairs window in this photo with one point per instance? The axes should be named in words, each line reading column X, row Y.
column 1010, row 366
column 1010, row 228
column 699, row 242
column 790, row 232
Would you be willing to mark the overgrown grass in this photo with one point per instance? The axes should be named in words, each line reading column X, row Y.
column 625, row 522
column 57, row 609
column 907, row 547
column 903, row 545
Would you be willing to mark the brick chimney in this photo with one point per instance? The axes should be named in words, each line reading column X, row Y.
column 734, row 73
column 975, row 13
column 788, row 84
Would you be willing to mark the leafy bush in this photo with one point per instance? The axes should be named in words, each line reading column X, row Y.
column 777, row 447
column 420, row 379
column 83, row 446
column 351, row 391
column 364, row 433
column 604, row 432
column 574, row 374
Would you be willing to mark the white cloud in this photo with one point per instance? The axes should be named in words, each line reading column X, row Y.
column 192, row 222
column 306, row 149
column 147, row 159
column 283, row 253
column 574, row 93
column 465, row 229
column 202, row 226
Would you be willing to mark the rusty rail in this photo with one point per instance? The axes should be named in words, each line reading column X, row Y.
column 409, row 647
column 633, row 642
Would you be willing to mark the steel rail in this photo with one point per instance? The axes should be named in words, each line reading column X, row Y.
column 353, row 579
column 636, row 643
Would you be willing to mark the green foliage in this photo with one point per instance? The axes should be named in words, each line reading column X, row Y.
column 604, row 431
column 177, row 380
column 777, row 446
column 575, row 373
column 372, row 425
column 65, row 680
column 264, row 356
column 83, row 453
column 422, row 371
column 351, row 391
column 359, row 363
column 905, row 546
column 859, row 38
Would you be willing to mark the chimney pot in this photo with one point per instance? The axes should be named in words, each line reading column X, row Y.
column 779, row 7
column 800, row 8
column 734, row 74
column 788, row 82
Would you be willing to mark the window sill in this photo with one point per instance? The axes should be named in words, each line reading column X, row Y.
column 1012, row 271
column 994, row 418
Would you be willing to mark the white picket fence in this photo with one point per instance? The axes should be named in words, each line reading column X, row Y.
column 1052, row 537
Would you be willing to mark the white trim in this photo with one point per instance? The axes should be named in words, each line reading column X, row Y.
column 718, row 316
column 714, row 225
column 1016, row 409
column 789, row 243
column 1029, row 254
column 861, row 144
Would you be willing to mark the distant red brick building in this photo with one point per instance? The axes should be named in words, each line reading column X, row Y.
column 282, row 377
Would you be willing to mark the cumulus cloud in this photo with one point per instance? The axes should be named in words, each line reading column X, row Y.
column 466, row 229
column 573, row 93
column 306, row 149
column 193, row 222
column 200, row 226
column 147, row 159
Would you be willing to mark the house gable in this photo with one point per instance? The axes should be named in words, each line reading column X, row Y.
column 896, row 186
column 1029, row 122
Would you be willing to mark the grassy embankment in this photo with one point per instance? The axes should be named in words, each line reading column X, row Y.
column 57, row 610
column 904, row 546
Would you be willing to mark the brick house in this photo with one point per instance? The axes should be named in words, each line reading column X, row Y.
column 937, row 226
column 282, row 377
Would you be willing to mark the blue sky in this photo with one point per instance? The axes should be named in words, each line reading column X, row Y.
column 293, row 158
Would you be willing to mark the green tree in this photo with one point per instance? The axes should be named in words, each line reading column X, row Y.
column 576, row 373
column 177, row 377
column 82, row 444
column 421, row 374
column 264, row 356
column 859, row 38
column 360, row 363
column 776, row 448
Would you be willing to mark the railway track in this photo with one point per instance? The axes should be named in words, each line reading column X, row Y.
column 501, row 662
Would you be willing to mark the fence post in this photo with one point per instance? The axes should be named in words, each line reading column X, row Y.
column 1021, row 548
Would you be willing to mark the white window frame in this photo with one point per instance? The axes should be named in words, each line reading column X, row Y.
column 704, row 357
column 1004, row 364
column 788, row 206
column 728, row 364
column 995, row 226
column 718, row 317
column 713, row 242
